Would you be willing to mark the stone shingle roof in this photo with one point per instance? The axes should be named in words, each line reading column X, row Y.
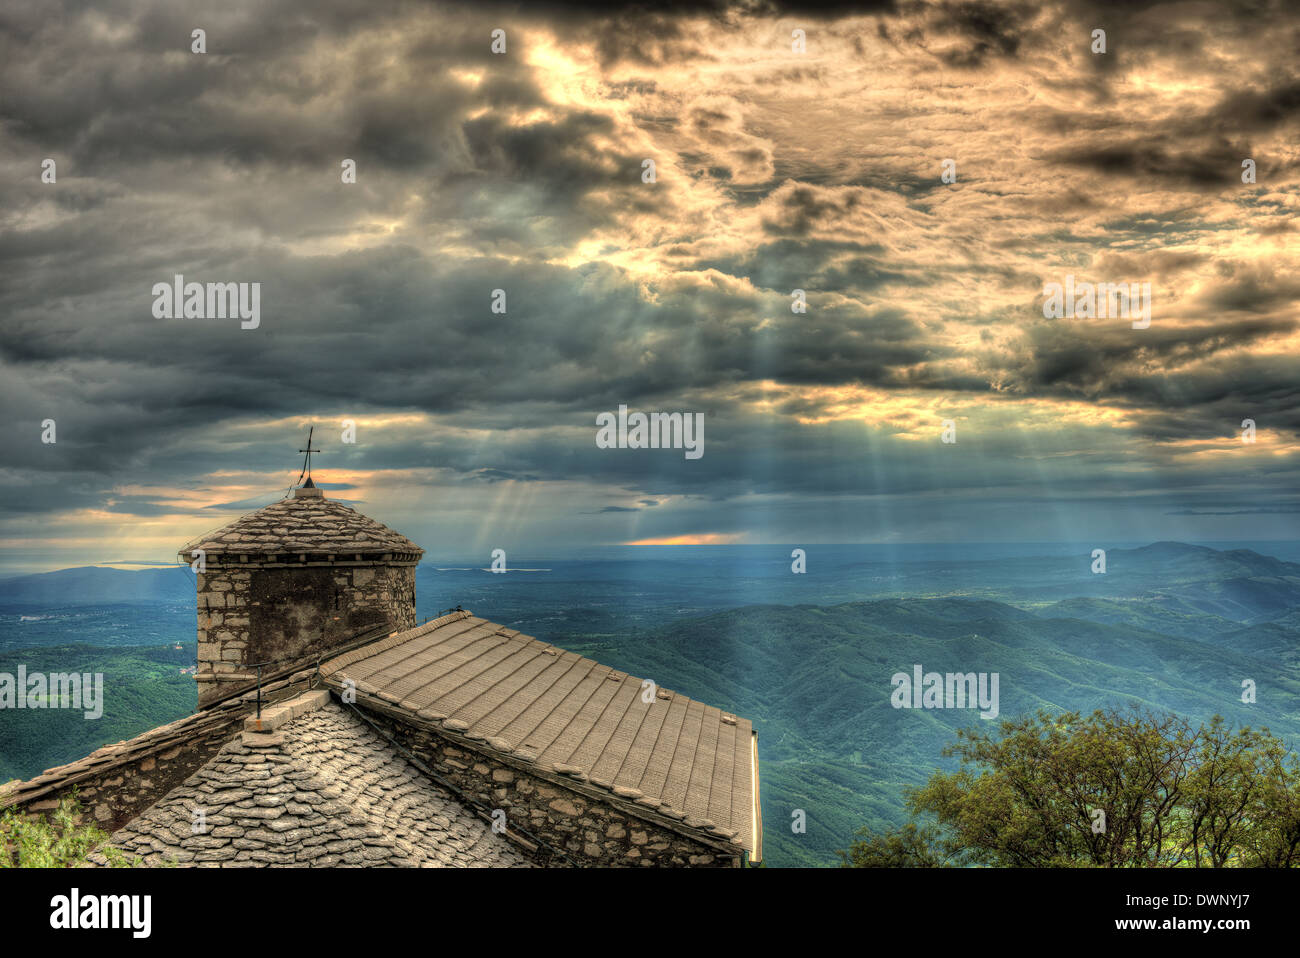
column 314, row 525
column 568, row 715
column 189, row 729
column 329, row 792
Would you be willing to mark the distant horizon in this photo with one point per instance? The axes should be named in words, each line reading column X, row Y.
column 1008, row 549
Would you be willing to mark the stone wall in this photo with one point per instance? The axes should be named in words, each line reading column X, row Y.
column 588, row 824
column 120, row 781
column 113, row 798
column 267, row 610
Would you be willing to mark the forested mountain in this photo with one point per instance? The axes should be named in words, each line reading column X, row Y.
column 816, row 682
column 808, row 657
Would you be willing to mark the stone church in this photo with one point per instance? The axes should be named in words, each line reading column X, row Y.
column 333, row 729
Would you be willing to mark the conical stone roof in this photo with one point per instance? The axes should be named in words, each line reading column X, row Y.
column 305, row 523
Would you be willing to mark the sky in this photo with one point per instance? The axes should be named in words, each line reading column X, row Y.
column 775, row 169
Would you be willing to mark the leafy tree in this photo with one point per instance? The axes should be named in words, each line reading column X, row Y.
column 1275, row 841
column 909, row 847
column 1113, row 789
column 1223, row 793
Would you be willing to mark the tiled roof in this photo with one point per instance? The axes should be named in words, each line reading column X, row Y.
column 183, row 731
column 330, row 792
column 304, row 525
column 568, row 715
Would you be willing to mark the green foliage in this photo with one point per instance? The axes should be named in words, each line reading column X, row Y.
column 1163, row 793
column 908, row 847
column 32, row 841
column 143, row 688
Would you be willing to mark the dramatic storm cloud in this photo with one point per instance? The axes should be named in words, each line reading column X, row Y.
column 776, row 170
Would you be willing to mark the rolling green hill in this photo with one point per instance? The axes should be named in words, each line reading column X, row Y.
column 1169, row 625
column 143, row 688
column 816, row 683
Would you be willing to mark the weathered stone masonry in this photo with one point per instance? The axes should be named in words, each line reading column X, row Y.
column 590, row 824
column 309, row 588
column 116, row 783
column 271, row 611
column 292, row 580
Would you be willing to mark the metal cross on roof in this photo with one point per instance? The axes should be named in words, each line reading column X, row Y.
column 306, row 463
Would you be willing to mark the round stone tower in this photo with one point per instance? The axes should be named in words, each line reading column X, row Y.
column 291, row 580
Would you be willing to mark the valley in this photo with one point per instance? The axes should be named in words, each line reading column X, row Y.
column 809, row 658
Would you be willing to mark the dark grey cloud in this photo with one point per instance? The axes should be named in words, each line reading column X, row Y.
column 1219, row 166
column 991, row 29
column 474, row 175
